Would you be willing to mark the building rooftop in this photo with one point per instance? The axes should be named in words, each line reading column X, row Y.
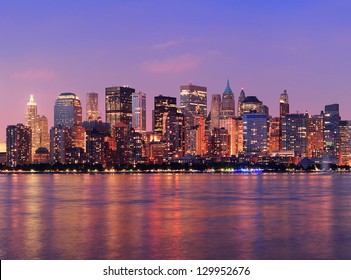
column 251, row 99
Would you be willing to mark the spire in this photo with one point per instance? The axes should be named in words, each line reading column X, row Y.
column 31, row 100
column 228, row 90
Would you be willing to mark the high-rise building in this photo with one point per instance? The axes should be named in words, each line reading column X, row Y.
column 345, row 143
column 32, row 120
column 95, row 142
column 294, row 133
column 44, row 137
column 220, row 143
column 18, row 145
column 255, row 131
column 331, row 131
column 283, row 110
column 135, row 147
column 92, row 109
column 215, row 111
column 193, row 101
column 315, row 137
column 120, row 135
column 163, row 104
column 284, row 104
column 68, row 113
column 230, row 124
column 174, row 134
column 240, row 101
column 139, row 111
column 228, row 103
column 60, row 144
column 119, row 105
column 273, row 135
column 252, row 105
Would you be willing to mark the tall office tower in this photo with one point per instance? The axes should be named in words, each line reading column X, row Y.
column 240, row 101
column 273, row 135
column 163, row 104
column 315, row 137
column 228, row 103
column 255, row 131
column 60, row 143
column 44, row 137
column 92, row 109
column 139, row 111
column 294, row 133
column 331, row 131
column 252, row 105
column 215, row 111
column 283, row 110
column 119, row 105
column 345, row 143
column 18, row 145
column 231, row 126
column 68, row 113
column 120, row 135
column 283, row 104
column 195, row 141
column 240, row 135
column 174, row 134
column 95, row 142
column 193, row 101
column 135, row 147
column 220, row 143
column 32, row 120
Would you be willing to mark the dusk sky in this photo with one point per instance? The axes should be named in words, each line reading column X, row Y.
column 50, row 47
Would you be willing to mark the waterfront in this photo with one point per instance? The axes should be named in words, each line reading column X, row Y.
column 175, row 216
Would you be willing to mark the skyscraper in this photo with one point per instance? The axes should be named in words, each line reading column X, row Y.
column 283, row 110
column 228, row 103
column 315, row 136
column 294, row 133
column 252, row 105
column 255, row 132
column 44, row 137
column 240, row 101
column 215, row 111
column 283, row 104
column 32, row 120
column 163, row 104
column 18, row 145
column 92, row 110
column 139, row 111
column 174, row 134
column 193, row 101
column 345, row 143
column 119, row 105
column 331, row 131
column 60, row 143
column 68, row 113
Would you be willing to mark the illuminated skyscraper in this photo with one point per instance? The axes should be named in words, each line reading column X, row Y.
column 283, row 110
column 215, row 111
column 92, row 107
column 44, row 137
column 273, row 135
column 18, row 145
column 60, row 144
column 255, row 132
column 32, row 120
column 119, row 105
column 174, row 134
column 193, row 101
column 240, row 101
column 294, row 133
column 252, row 105
column 331, row 131
column 315, row 136
column 139, row 111
column 228, row 103
column 345, row 143
column 163, row 104
column 68, row 113
column 283, row 104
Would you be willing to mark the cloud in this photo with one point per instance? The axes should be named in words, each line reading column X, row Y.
column 34, row 74
column 166, row 45
column 178, row 64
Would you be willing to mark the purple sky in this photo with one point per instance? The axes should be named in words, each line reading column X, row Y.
column 49, row 47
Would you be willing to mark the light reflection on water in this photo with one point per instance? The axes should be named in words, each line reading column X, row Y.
column 175, row 216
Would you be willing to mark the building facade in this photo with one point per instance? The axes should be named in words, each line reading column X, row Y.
column 139, row 111
column 18, row 145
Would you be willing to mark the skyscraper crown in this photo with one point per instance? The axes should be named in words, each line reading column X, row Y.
column 228, row 90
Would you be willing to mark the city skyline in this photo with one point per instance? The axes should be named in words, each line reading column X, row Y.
column 263, row 47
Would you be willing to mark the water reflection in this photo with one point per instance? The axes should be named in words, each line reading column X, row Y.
column 175, row 216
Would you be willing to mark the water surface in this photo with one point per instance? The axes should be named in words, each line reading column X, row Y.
column 175, row 216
